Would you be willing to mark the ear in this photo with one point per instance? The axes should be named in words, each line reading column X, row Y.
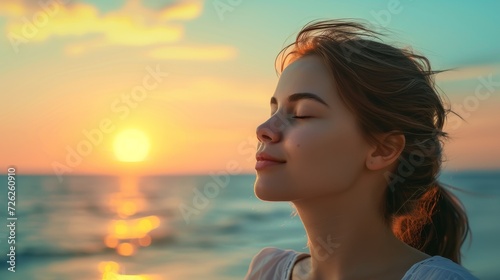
column 383, row 155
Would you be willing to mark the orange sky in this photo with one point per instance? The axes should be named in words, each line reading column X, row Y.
column 196, row 92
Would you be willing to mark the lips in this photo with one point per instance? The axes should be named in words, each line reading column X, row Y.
column 265, row 160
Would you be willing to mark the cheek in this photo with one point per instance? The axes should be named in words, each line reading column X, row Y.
column 325, row 159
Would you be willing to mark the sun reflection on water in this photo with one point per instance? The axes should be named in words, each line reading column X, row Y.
column 110, row 271
column 125, row 234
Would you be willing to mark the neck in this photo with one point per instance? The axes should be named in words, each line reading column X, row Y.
column 344, row 236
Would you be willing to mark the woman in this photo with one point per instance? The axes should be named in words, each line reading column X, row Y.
column 354, row 143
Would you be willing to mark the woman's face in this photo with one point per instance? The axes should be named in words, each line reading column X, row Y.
column 324, row 154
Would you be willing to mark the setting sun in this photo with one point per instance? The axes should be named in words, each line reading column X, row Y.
column 131, row 145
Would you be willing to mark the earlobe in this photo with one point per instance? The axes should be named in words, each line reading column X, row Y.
column 390, row 146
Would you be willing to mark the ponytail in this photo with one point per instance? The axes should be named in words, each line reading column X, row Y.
column 437, row 225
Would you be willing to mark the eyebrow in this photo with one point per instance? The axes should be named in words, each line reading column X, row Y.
column 301, row 95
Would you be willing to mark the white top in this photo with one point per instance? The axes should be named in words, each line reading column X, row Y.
column 272, row 263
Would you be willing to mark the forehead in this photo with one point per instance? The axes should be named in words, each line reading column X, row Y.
column 306, row 74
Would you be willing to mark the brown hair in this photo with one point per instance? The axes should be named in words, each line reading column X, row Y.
column 391, row 89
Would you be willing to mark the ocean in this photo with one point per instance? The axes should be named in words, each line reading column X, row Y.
column 184, row 227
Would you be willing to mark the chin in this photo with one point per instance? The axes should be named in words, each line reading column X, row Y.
column 267, row 192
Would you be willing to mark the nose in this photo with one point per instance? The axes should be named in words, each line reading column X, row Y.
column 271, row 130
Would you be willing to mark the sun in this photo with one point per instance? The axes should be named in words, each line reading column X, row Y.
column 131, row 145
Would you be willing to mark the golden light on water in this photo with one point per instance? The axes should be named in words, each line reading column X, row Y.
column 145, row 241
column 110, row 271
column 131, row 145
column 134, row 228
column 111, row 241
column 125, row 249
column 126, row 235
column 128, row 208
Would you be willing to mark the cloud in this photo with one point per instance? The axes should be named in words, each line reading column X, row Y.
column 131, row 25
column 11, row 9
column 182, row 11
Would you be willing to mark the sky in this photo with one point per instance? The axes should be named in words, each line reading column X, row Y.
column 188, row 82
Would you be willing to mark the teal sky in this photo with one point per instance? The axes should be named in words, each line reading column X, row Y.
column 452, row 33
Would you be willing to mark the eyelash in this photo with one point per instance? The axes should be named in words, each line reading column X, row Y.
column 299, row 117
